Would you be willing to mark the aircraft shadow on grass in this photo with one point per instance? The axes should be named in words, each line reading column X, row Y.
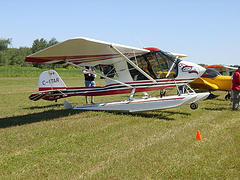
column 163, row 115
column 35, row 117
column 43, row 107
column 217, row 108
column 218, row 99
column 53, row 114
column 225, row 107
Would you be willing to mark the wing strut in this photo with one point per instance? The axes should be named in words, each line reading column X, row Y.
column 172, row 66
column 133, row 64
column 101, row 75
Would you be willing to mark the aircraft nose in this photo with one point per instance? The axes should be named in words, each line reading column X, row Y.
column 201, row 70
column 190, row 69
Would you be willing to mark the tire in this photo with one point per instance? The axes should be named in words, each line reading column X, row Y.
column 227, row 97
column 193, row 106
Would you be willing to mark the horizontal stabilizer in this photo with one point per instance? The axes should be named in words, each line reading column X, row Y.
column 37, row 96
column 67, row 105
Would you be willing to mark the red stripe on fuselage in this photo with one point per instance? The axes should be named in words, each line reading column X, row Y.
column 125, row 91
column 135, row 82
column 108, row 90
column 102, row 93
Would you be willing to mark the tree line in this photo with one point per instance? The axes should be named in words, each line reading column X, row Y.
column 16, row 56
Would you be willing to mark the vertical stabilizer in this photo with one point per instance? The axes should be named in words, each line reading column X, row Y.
column 50, row 80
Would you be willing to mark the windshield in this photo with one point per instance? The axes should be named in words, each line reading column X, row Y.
column 156, row 64
column 211, row 73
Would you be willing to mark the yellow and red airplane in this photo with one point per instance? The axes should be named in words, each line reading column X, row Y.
column 212, row 80
column 223, row 69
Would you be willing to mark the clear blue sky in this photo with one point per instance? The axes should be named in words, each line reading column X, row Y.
column 208, row 31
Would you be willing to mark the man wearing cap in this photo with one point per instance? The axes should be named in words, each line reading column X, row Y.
column 236, row 88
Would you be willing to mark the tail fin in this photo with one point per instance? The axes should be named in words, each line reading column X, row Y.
column 50, row 80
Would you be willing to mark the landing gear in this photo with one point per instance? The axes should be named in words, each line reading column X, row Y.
column 228, row 96
column 146, row 95
column 163, row 92
column 235, row 106
column 212, row 96
column 132, row 94
column 194, row 105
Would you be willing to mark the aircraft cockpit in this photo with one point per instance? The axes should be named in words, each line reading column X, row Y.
column 157, row 64
column 211, row 73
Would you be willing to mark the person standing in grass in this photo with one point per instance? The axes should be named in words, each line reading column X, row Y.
column 236, row 88
column 89, row 80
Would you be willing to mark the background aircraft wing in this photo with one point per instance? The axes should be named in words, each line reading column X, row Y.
column 83, row 51
column 230, row 67
column 216, row 66
column 179, row 55
column 223, row 69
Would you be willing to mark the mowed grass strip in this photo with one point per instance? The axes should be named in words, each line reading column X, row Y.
column 41, row 140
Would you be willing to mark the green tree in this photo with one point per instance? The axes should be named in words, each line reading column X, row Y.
column 52, row 42
column 40, row 44
column 17, row 56
column 202, row 65
column 4, row 43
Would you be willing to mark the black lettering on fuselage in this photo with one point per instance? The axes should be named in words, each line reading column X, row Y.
column 50, row 81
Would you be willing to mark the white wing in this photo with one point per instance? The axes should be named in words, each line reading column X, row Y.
column 83, row 51
column 179, row 55
column 230, row 67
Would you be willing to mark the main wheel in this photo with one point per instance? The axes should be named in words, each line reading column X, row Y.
column 193, row 105
column 227, row 97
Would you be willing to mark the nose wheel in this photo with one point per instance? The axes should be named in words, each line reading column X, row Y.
column 194, row 105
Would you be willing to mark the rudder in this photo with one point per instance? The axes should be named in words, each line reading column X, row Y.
column 50, row 80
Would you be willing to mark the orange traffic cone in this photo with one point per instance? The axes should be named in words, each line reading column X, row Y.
column 198, row 136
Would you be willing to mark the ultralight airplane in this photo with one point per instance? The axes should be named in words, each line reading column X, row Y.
column 213, row 80
column 126, row 70
column 223, row 69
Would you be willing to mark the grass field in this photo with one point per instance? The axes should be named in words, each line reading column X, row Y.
column 41, row 140
column 17, row 71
